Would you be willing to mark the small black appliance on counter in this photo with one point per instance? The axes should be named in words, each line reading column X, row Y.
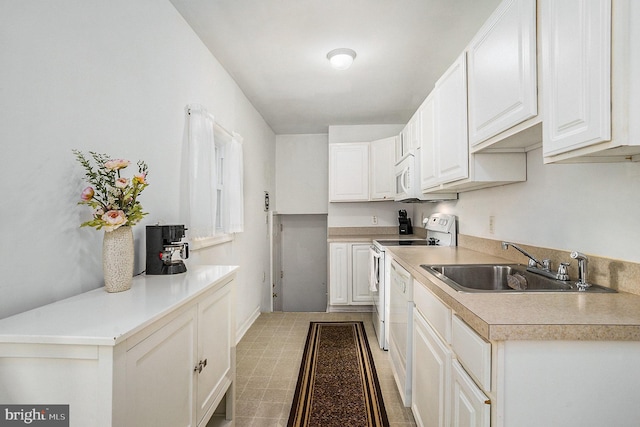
column 162, row 242
column 405, row 223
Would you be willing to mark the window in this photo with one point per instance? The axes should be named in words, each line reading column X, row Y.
column 215, row 181
column 219, row 187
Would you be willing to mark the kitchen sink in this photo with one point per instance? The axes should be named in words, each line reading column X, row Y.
column 495, row 278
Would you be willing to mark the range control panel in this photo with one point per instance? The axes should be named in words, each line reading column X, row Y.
column 443, row 223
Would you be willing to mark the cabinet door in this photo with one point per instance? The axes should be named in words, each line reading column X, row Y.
column 215, row 340
column 349, row 172
column 401, row 143
column 160, row 381
column 338, row 273
column 469, row 406
column 452, row 146
column 502, row 71
column 428, row 177
column 360, row 274
column 381, row 170
column 576, row 55
column 409, row 138
column 431, row 376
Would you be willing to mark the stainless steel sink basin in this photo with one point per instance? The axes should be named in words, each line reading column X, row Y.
column 494, row 278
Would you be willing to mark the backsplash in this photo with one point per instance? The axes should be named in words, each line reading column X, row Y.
column 622, row 276
column 365, row 231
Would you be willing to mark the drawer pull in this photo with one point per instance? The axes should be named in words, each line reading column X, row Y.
column 487, row 402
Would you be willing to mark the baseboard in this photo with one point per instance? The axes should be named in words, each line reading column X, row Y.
column 242, row 329
column 349, row 308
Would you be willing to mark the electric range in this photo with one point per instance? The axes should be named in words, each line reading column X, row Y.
column 441, row 231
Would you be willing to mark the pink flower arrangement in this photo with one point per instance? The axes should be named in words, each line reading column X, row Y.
column 113, row 198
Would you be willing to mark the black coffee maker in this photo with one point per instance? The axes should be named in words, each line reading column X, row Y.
column 405, row 223
column 162, row 242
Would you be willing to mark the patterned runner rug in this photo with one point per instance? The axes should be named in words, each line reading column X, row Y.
column 337, row 384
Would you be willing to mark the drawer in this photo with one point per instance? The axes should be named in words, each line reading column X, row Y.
column 434, row 310
column 473, row 352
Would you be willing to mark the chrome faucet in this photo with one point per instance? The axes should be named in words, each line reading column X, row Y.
column 545, row 264
column 582, row 284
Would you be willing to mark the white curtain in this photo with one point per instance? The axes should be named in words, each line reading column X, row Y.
column 233, row 193
column 202, row 173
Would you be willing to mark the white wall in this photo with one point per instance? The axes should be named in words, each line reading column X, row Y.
column 591, row 208
column 360, row 214
column 302, row 167
column 112, row 77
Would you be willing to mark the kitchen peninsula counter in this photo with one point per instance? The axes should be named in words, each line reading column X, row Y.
column 525, row 316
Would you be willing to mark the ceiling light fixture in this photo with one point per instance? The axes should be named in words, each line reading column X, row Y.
column 342, row 58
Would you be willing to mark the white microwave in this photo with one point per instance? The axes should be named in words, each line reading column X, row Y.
column 408, row 190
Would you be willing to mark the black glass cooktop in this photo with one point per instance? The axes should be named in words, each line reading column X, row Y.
column 407, row 242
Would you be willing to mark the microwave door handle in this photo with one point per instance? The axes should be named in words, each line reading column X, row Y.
column 403, row 179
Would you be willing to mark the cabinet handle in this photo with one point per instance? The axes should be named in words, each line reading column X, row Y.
column 201, row 364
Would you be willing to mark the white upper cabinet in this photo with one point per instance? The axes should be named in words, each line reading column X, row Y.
column 446, row 165
column 409, row 139
column 452, row 149
column 381, row 170
column 577, row 62
column 502, row 74
column 362, row 171
column 349, row 172
column 590, row 78
column 428, row 167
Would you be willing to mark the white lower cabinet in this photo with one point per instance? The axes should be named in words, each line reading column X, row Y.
column 156, row 370
column 161, row 354
column 360, row 293
column 470, row 407
column 444, row 393
column 159, row 392
column 156, row 367
column 431, row 375
column 349, row 274
column 461, row 380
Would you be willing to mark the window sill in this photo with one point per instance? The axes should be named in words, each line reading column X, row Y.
column 206, row 242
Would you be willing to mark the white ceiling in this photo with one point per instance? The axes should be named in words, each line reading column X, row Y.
column 276, row 52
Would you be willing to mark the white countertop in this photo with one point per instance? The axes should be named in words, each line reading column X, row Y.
column 101, row 318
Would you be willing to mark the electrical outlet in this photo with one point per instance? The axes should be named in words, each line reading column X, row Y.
column 374, row 220
column 492, row 224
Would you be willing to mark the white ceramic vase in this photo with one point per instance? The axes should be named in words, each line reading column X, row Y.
column 117, row 259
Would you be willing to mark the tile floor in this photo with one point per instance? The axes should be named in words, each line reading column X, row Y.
column 268, row 359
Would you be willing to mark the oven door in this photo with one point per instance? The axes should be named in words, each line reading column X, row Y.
column 377, row 291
